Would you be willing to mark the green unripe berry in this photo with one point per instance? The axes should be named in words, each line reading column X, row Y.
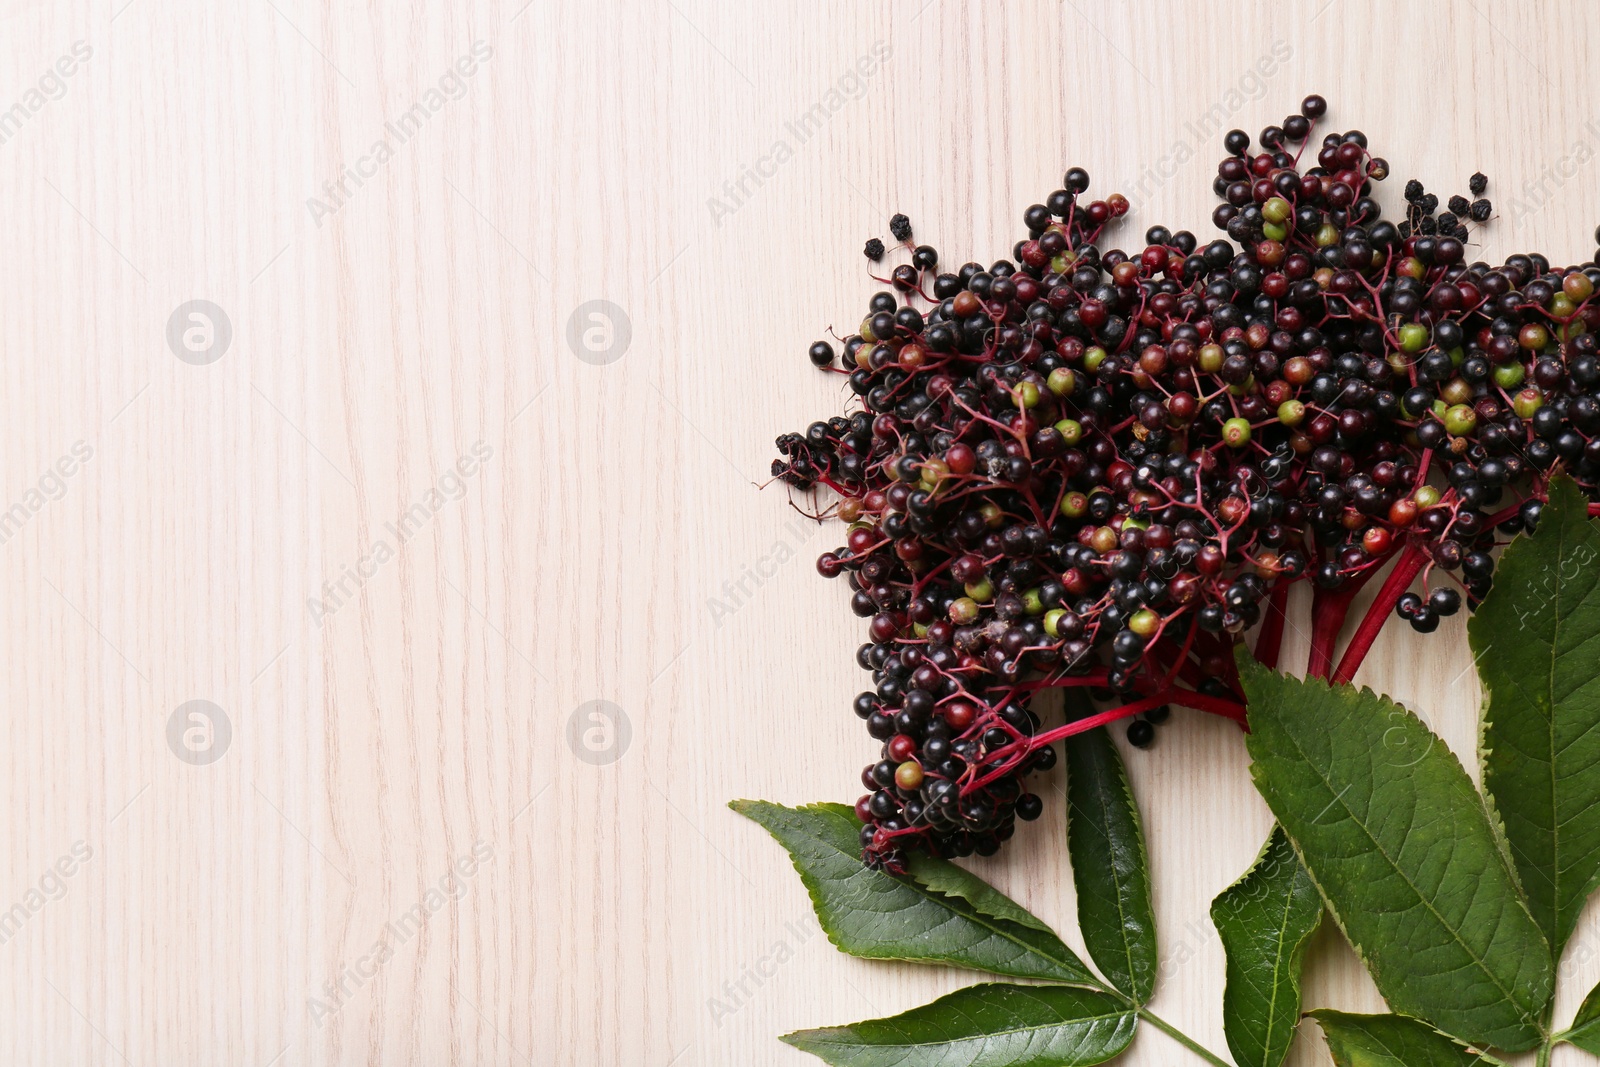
column 1074, row 505
column 1413, row 336
column 1460, row 420
column 1071, row 431
column 1236, row 432
column 1526, row 402
column 1273, row 231
column 1276, row 209
column 1027, row 395
column 981, row 591
column 1051, row 619
column 1144, row 622
column 964, row 611
column 1509, row 375
column 1031, row 602
column 1093, row 358
column 908, row 775
column 1291, row 412
column 1426, row 496
column 1062, row 381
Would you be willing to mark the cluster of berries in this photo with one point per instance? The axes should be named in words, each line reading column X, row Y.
column 1097, row 470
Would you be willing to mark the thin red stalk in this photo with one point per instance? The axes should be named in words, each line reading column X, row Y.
column 1021, row 749
column 1411, row 561
column 1187, row 698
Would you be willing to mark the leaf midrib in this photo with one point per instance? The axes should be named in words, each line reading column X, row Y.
column 1117, row 887
column 1278, row 965
column 941, row 899
column 1085, row 1020
column 1423, row 900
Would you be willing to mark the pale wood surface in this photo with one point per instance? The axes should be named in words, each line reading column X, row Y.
column 371, row 348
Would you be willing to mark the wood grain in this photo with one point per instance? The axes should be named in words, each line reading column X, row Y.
column 710, row 169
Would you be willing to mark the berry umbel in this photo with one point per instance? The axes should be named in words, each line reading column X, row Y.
column 1097, row 470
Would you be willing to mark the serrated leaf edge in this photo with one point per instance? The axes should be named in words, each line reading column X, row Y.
column 1130, row 1013
column 1298, row 950
column 1333, row 909
column 1466, row 1046
column 936, row 897
column 1124, row 783
column 1485, row 750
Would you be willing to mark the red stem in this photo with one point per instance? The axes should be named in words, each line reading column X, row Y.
column 1410, row 563
column 1329, row 607
column 1270, row 643
column 1328, row 610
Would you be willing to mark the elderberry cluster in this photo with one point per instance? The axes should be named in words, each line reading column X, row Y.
column 1096, row 470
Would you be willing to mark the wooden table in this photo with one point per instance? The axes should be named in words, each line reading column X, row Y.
column 505, row 306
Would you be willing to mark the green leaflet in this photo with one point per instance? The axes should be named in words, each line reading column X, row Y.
column 1536, row 640
column 964, row 921
column 984, row 1026
column 1400, row 846
column 1110, row 868
column 1265, row 920
column 1585, row 1029
column 1391, row 1041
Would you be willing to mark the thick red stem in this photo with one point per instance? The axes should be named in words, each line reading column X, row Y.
column 1329, row 607
column 1328, row 610
column 1270, row 643
column 1406, row 568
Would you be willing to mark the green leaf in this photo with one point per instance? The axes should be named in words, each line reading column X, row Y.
column 1110, row 868
column 953, row 917
column 1265, row 919
column 1536, row 640
column 953, row 881
column 1391, row 1041
column 984, row 1026
column 1399, row 843
column 1585, row 1029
